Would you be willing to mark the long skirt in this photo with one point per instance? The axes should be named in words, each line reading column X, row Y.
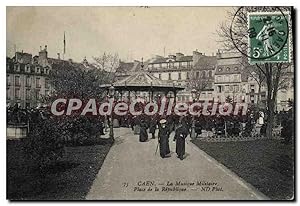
column 180, row 147
column 143, row 135
column 164, row 147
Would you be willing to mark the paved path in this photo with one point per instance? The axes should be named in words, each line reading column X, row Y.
column 132, row 162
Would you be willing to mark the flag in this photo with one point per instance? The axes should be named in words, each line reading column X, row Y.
column 64, row 43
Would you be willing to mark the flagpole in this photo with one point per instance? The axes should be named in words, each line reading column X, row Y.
column 64, row 45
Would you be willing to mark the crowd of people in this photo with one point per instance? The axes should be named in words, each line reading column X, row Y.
column 253, row 123
column 182, row 126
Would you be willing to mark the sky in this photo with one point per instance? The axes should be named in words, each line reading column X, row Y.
column 131, row 32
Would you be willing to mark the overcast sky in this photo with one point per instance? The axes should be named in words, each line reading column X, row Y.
column 132, row 32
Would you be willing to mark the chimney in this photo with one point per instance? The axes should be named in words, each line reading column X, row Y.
column 218, row 54
column 179, row 55
column 40, row 48
column 43, row 57
column 196, row 56
column 58, row 55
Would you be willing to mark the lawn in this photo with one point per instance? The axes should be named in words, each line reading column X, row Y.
column 69, row 179
column 268, row 165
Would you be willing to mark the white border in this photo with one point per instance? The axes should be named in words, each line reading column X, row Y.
column 5, row 3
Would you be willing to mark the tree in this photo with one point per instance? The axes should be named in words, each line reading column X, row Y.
column 200, row 80
column 73, row 80
column 273, row 73
column 199, row 84
column 107, row 62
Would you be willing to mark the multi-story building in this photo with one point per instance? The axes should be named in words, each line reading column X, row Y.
column 224, row 77
column 230, row 80
column 173, row 69
column 203, row 73
column 286, row 94
column 27, row 77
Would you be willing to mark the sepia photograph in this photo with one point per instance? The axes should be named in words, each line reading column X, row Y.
column 150, row 103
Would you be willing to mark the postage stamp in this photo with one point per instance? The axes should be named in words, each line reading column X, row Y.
column 268, row 37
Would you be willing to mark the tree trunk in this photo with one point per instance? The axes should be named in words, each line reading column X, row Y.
column 270, row 100
column 270, row 118
column 259, row 103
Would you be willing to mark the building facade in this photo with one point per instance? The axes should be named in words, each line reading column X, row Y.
column 230, row 80
column 27, row 79
column 220, row 78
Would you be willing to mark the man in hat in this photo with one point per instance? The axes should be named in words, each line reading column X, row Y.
column 163, row 138
column 180, row 134
column 143, row 131
column 152, row 128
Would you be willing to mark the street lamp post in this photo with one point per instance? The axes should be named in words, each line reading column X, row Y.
column 111, row 91
column 193, row 133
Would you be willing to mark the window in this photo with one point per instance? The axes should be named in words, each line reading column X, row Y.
column 37, row 94
column 28, row 94
column 17, row 68
column 8, row 80
column 226, row 88
column 252, row 88
column 187, row 75
column 235, row 77
column 188, row 64
column 179, row 76
column 159, row 76
column 235, row 68
column 22, row 68
column 17, row 93
column 228, row 69
column 219, row 88
column 197, row 75
column 226, row 78
column 210, row 74
column 170, row 78
column 220, row 69
column 38, row 70
column 17, row 81
column 32, row 69
column 252, row 99
column 236, row 88
column 47, row 85
column 203, row 74
column 8, row 93
column 28, row 81
column 38, row 82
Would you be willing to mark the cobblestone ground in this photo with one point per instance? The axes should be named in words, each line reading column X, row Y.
column 132, row 171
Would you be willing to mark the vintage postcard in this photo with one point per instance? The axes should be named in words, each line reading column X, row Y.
column 150, row 103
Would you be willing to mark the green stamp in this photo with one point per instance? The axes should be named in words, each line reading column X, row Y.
column 268, row 35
